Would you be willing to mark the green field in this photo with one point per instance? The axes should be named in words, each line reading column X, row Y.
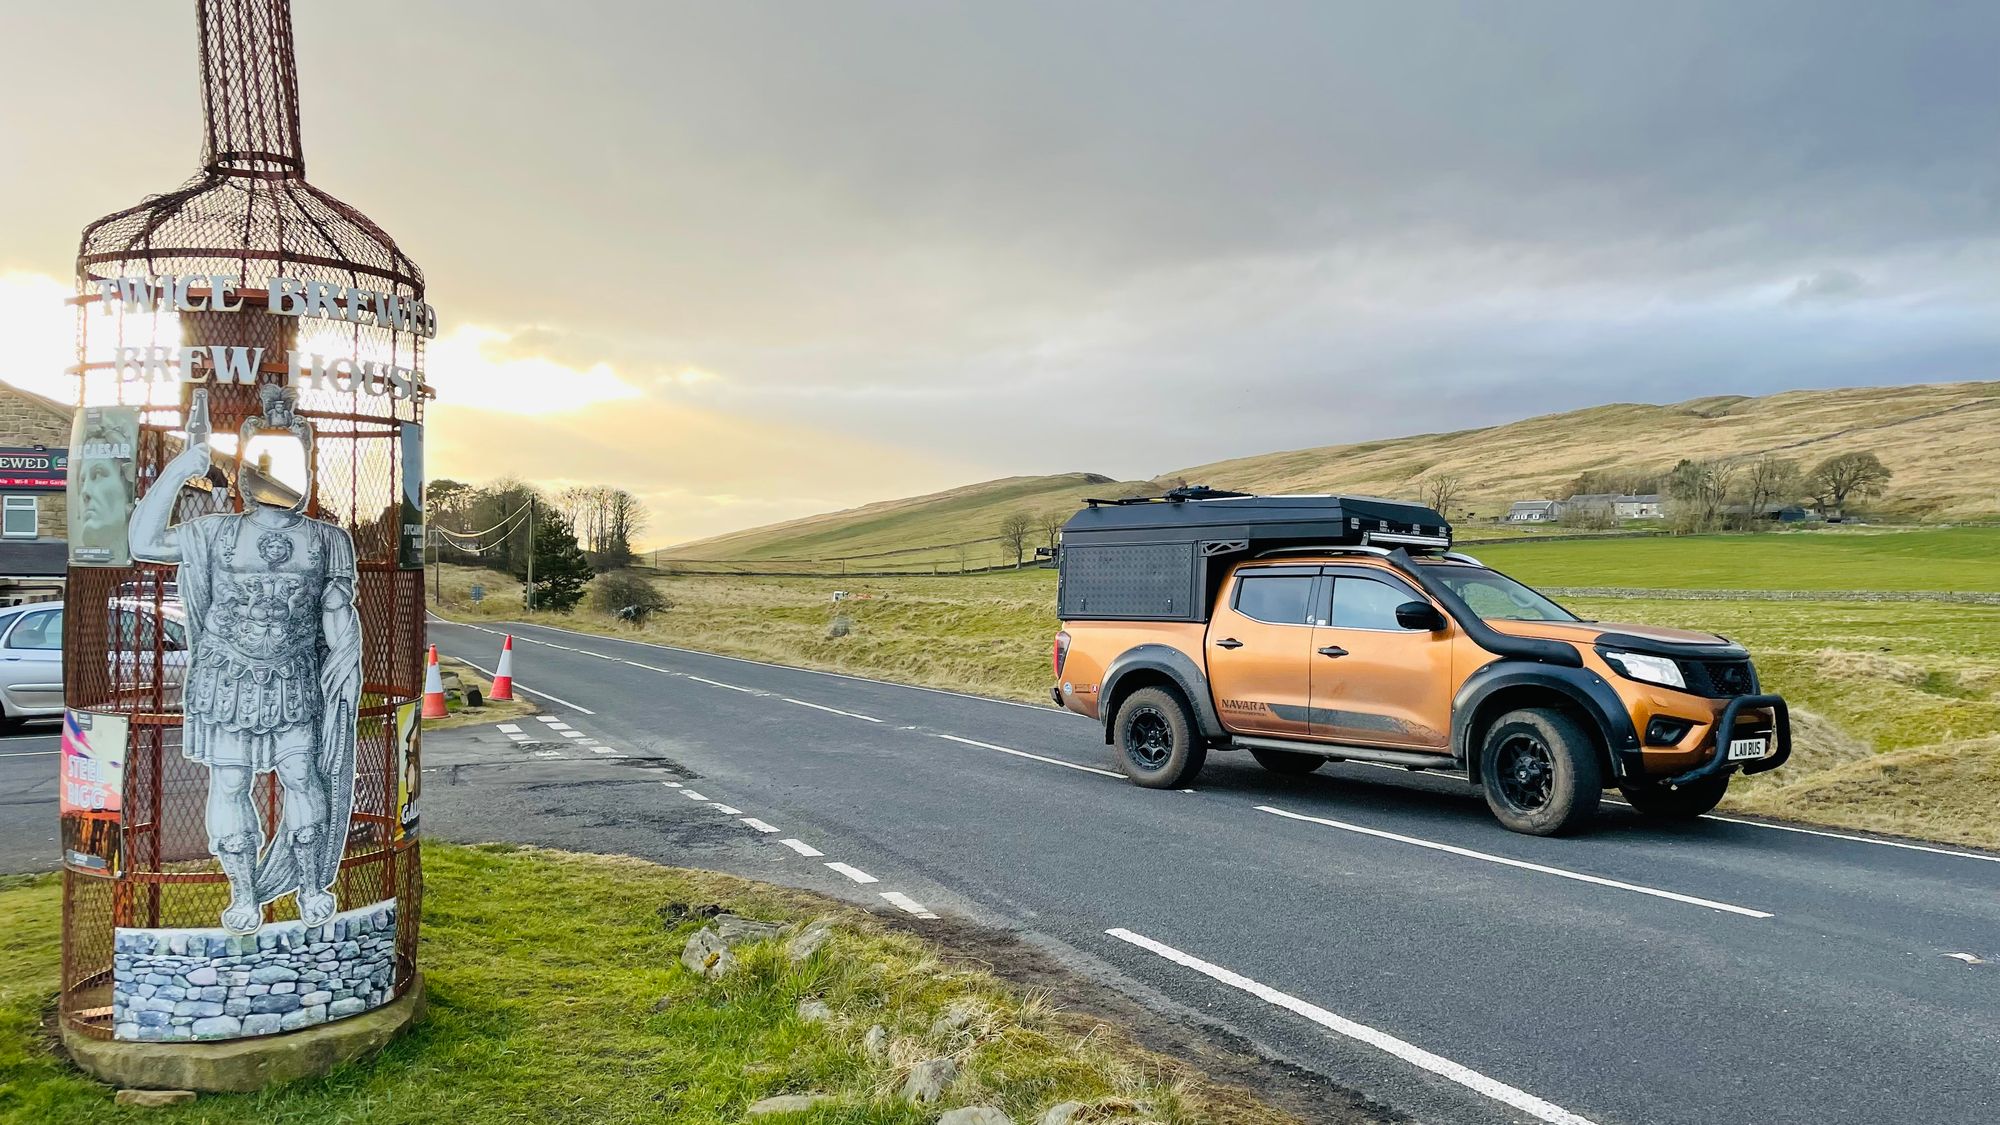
column 556, row 994
column 1954, row 559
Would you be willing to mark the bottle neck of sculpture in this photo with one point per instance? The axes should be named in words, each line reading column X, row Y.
column 250, row 89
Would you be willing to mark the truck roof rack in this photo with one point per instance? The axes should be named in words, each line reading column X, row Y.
column 1161, row 558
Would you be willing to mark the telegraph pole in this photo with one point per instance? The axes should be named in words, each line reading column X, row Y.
column 531, row 552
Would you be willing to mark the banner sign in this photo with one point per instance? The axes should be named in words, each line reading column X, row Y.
column 410, row 544
column 90, row 794
column 106, row 441
column 33, row 468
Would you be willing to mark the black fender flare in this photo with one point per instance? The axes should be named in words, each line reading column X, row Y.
column 1178, row 666
column 1581, row 686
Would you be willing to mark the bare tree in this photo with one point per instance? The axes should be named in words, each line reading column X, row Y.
column 1700, row 490
column 1847, row 474
column 1052, row 522
column 1015, row 527
column 1768, row 480
column 1440, row 492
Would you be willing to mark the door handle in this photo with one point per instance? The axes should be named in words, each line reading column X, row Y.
column 1333, row 650
column 1229, row 642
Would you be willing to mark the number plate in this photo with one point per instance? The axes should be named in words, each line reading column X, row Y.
column 1748, row 749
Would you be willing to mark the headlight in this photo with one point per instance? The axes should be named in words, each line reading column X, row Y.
column 1647, row 669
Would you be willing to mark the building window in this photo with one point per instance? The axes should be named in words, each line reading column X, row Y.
column 19, row 517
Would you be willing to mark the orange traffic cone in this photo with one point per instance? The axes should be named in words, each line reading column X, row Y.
column 434, row 707
column 503, row 674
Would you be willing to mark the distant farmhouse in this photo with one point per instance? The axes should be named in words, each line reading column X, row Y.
column 1644, row 506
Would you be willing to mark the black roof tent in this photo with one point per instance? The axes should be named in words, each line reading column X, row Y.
column 1160, row 558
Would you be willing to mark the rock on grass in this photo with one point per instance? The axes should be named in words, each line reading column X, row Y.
column 929, row 1080
column 975, row 1115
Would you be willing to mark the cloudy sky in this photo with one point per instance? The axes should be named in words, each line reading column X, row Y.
column 757, row 260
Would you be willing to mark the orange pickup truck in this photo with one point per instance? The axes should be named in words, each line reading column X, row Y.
column 1308, row 629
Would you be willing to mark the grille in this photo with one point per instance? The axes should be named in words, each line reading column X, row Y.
column 1719, row 679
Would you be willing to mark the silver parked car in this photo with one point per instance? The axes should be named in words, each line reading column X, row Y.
column 31, row 656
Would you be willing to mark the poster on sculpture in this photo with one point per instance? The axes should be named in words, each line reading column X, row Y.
column 409, row 768
column 90, row 793
column 410, row 545
column 274, row 679
column 104, row 447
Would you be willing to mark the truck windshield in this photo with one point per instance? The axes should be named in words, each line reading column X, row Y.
column 1493, row 595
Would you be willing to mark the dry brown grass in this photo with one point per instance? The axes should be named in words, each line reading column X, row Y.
column 1948, row 792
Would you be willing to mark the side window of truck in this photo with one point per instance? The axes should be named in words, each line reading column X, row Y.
column 1281, row 599
column 1363, row 603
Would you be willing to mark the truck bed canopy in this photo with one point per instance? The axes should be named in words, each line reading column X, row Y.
column 1161, row 558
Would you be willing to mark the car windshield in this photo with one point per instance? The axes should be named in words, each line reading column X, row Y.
column 1495, row 596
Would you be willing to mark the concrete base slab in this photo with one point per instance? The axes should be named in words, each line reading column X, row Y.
column 245, row 1065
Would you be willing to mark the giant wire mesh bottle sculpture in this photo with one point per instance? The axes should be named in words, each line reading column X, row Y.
column 231, row 821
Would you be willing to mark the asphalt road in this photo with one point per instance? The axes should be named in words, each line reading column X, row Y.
column 28, row 830
column 1371, row 926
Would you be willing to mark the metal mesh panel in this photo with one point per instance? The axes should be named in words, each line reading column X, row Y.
column 251, row 217
column 1138, row 580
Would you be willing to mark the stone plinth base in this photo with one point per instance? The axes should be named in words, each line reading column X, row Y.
column 244, row 1065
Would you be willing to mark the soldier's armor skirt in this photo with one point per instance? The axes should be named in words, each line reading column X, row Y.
column 251, row 712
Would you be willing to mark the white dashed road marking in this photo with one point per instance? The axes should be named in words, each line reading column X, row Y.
column 692, row 795
column 510, row 728
column 517, row 738
column 758, row 824
column 549, row 718
column 1035, row 757
column 1520, row 863
column 854, row 873
column 830, row 710
column 671, row 784
column 908, row 905
column 730, row 810
column 801, row 847
column 548, row 753
column 1409, row 1052
column 731, row 687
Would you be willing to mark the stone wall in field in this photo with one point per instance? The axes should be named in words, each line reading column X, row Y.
column 172, row 985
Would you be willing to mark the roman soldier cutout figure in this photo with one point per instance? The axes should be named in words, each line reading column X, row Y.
column 274, row 676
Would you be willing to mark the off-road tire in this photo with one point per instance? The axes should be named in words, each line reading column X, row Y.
column 1657, row 802
column 1158, row 744
column 1540, row 772
column 1288, row 763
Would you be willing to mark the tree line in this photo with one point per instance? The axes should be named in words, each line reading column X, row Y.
column 577, row 533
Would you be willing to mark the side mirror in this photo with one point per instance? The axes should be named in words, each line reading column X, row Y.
column 1421, row 616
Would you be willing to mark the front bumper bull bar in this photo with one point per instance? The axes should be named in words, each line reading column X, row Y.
column 1725, row 731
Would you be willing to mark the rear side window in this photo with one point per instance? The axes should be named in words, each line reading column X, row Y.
column 41, row 630
column 1281, row 599
column 1363, row 603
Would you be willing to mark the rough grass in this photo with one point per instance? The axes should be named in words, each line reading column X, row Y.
column 556, row 994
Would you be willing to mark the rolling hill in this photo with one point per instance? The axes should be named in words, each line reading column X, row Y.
column 1941, row 440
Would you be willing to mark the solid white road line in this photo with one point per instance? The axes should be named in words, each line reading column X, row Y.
column 831, row 710
column 1409, row 1052
column 801, row 847
column 1854, row 839
column 1520, row 863
column 692, row 795
column 854, row 873
column 1035, row 757
column 908, row 905
column 758, row 824
column 518, row 686
column 726, row 809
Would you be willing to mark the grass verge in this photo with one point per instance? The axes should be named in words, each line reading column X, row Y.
column 557, row 995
